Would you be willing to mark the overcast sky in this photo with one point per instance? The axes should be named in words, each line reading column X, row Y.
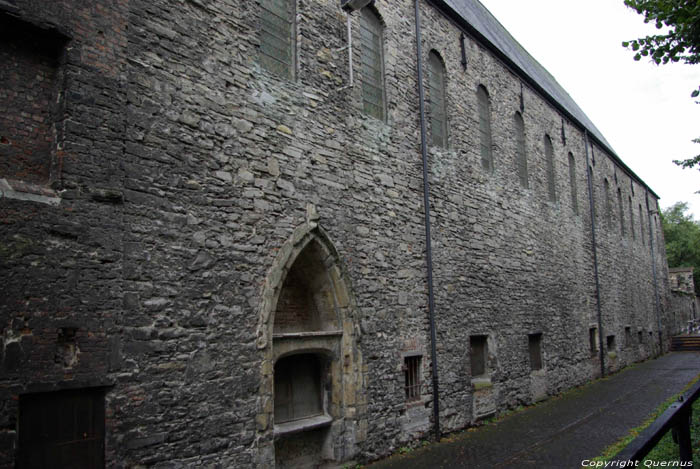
column 643, row 110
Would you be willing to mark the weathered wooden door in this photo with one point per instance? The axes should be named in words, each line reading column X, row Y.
column 63, row 429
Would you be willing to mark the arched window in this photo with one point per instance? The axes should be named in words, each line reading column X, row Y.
column 634, row 234
column 549, row 156
column 622, row 211
column 277, row 36
column 484, row 107
column 372, row 52
column 520, row 155
column 572, row 183
column 608, row 205
column 438, row 108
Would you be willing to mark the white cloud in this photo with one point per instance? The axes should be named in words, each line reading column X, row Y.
column 645, row 111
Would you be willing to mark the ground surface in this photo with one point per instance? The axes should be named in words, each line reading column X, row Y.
column 564, row 431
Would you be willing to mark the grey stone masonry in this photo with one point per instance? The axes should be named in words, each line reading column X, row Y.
column 191, row 219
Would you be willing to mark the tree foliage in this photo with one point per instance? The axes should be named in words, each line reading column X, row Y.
column 679, row 43
column 682, row 236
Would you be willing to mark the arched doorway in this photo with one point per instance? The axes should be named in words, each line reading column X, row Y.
column 312, row 398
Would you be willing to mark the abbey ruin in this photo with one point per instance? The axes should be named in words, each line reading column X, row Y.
column 214, row 242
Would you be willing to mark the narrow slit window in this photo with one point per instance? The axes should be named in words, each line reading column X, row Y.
column 412, row 378
column 634, row 233
column 572, row 183
column 478, row 354
column 520, row 154
column 535, row 347
column 277, row 37
column 438, row 110
column 372, row 65
column 608, row 204
column 485, row 142
column 641, row 225
column 622, row 212
column 551, row 179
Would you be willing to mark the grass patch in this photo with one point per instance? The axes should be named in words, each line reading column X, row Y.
column 667, row 450
column 663, row 451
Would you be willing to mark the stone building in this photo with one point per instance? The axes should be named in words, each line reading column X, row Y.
column 683, row 303
column 213, row 232
column 681, row 279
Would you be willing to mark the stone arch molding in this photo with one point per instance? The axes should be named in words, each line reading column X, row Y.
column 344, row 399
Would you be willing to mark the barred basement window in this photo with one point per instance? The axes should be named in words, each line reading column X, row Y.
column 551, row 182
column 520, row 155
column 62, row 429
column 484, row 108
column 634, row 233
column 411, row 370
column 535, row 346
column 572, row 183
column 622, row 212
column 608, row 205
column 438, row 111
column 277, row 36
column 478, row 353
column 371, row 31
column 593, row 340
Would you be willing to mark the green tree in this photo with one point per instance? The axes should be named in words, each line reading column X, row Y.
column 682, row 236
column 679, row 42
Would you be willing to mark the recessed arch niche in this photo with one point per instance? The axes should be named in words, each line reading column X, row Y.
column 312, row 405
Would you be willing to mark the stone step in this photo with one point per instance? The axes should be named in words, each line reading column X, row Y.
column 685, row 343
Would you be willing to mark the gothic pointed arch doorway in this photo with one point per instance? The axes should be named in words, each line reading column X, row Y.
column 312, row 396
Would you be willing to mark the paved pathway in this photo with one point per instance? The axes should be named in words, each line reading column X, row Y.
column 561, row 432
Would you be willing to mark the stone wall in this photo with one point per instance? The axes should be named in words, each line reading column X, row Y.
column 189, row 180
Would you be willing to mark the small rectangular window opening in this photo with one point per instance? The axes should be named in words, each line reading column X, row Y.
column 610, row 342
column 478, row 354
column 535, row 346
column 592, row 341
column 628, row 337
column 411, row 369
column 640, row 337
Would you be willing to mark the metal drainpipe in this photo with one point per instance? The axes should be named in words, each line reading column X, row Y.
column 591, row 202
column 426, row 203
column 653, row 269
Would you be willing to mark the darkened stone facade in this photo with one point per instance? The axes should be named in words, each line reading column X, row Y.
column 183, row 182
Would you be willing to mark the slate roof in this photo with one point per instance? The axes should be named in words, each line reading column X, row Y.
column 479, row 22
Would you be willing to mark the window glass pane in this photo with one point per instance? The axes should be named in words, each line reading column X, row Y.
column 572, row 183
column 371, row 64
column 608, row 208
column 549, row 154
column 438, row 114
column 277, row 36
column 520, row 156
column 484, row 128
